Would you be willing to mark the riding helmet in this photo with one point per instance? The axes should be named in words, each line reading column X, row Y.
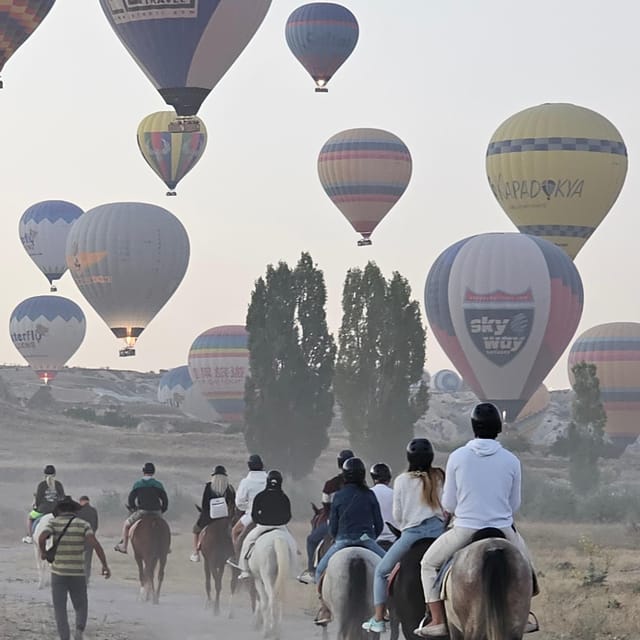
column 255, row 463
column 219, row 470
column 420, row 454
column 380, row 472
column 149, row 468
column 354, row 471
column 49, row 470
column 485, row 420
column 274, row 479
column 343, row 456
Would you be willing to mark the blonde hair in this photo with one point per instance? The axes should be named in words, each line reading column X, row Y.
column 219, row 484
column 51, row 482
column 432, row 481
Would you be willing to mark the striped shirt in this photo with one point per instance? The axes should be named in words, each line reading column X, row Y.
column 69, row 559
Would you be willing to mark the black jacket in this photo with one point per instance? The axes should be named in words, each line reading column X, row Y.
column 271, row 507
column 46, row 499
column 90, row 515
column 207, row 494
column 148, row 495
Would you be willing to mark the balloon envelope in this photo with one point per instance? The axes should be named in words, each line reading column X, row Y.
column 446, row 381
column 322, row 35
column 364, row 172
column 219, row 366
column 171, row 154
column 177, row 390
column 47, row 331
column 556, row 170
column 534, row 411
column 44, row 228
column 503, row 307
column 614, row 348
column 127, row 259
column 18, row 20
column 185, row 47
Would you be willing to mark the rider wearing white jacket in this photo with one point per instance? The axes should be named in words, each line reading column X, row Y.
column 249, row 487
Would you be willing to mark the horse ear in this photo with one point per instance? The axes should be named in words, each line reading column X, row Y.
column 315, row 509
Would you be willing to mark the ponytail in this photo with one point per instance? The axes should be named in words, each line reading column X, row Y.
column 432, row 481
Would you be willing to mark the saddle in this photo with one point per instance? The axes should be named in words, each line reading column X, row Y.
column 251, row 547
column 321, row 549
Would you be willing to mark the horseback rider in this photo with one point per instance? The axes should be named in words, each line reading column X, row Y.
column 417, row 510
column 147, row 498
column 250, row 486
column 218, row 487
column 381, row 475
column 271, row 510
column 319, row 532
column 47, row 495
column 482, row 489
column 355, row 521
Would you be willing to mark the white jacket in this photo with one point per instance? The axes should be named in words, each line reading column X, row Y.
column 409, row 507
column 249, row 488
column 384, row 493
column 482, row 486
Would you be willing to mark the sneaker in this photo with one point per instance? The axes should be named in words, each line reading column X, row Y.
column 120, row 547
column 374, row 626
column 194, row 557
column 244, row 575
column 432, row 631
column 323, row 617
column 306, row 577
column 232, row 563
column 27, row 540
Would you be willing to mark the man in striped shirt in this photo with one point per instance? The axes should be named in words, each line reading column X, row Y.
column 67, row 569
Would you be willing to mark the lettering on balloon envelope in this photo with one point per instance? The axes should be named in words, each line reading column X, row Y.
column 131, row 10
column 499, row 323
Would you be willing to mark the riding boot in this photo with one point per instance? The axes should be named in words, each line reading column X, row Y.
column 122, row 545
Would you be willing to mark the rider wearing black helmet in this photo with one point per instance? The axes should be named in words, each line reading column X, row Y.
column 417, row 511
column 482, row 490
column 147, row 498
column 218, row 501
column 48, row 492
column 250, row 486
column 319, row 532
column 355, row 521
column 271, row 510
column 381, row 475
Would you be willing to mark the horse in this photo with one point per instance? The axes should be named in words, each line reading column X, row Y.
column 150, row 540
column 270, row 566
column 42, row 566
column 347, row 590
column 488, row 591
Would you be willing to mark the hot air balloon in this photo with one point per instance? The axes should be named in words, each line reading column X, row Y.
column 322, row 35
column 614, row 349
column 18, row 20
column 556, row 170
column 47, row 331
column 219, row 366
column 127, row 259
column 446, row 381
column 185, row 47
column 364, row 172
column 171, row 152
column 533, row 413
column 177, row 390
column 44, row 228
column 503, row 307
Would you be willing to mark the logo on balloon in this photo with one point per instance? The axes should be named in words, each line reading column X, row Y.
column 532, row 189
column 130, row 10
column 499, row 323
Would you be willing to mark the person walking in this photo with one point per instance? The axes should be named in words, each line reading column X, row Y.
column 67, row 570
column 88, row 513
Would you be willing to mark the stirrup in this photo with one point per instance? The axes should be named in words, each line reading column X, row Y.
column 532, row 626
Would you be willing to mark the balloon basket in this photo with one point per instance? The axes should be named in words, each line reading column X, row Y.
column 53, row 288
column 364, row 243
column 127, row 352
column 171, row 193
column 184, row 124
column 322, row 90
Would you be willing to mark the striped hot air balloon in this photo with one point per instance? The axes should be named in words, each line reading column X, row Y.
column 364, row 172
column 171, row 147
column 556, row 170
column 534, row 412
column 614, row 348
column 219, row 366
column 47, row 331
column 322, row 35
column 503, row 307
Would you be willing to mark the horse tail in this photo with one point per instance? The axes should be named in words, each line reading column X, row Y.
column 355, row 607
column 495, row 587
column 281, row 547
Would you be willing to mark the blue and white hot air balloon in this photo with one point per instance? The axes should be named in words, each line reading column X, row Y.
column 47, row 331
column 177, row 390
column 322, row 35
column 44, row 228
column 185, row 47
column 446, row 381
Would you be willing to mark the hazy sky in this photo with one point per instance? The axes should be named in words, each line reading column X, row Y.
column 441, row 75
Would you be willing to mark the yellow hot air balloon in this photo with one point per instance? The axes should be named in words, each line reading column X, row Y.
column 557, row 169
column 171, row 146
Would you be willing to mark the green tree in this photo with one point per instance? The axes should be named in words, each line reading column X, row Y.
column 380, row 360
column 585, row 437
column 288, row 396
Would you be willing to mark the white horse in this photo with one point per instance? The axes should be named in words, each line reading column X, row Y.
column 44, row 570
column 270, row 565
column 347, row 589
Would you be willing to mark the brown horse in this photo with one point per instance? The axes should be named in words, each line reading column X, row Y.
column 151, row 540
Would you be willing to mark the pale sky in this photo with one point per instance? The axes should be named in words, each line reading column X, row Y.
column 441, row 75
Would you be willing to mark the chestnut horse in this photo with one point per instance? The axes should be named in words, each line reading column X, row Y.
column 150, row 539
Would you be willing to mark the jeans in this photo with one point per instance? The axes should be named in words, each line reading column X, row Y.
column 429, row 528
column 313, row 540
column 76, row 587
column 342, row 543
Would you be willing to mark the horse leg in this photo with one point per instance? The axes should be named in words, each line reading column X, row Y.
column 217, row 578
column 141, row 577
column 161, row 565
column 207, row 580
column 260, row 613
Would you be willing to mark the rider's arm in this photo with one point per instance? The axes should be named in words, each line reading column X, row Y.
column 286, row 508
column 378, row 522
column 131, row 500
column 257, row 508
column 206, row 497
column 450, row 490
column 334, row 519
column 60, row 489
column 39, row 495
column 164, row 500
column 242, row 497
column 397, row 510
column 515, row 495
column 326, row 495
